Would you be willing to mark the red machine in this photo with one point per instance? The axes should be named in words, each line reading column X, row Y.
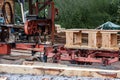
column 39, row 25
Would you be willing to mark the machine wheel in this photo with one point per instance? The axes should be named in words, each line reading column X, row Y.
column 7, row 13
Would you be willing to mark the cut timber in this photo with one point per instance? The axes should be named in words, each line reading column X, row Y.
column 37, row 68
column 109, row 40
column 77, row 38
column 94, row 39
column 69, row 38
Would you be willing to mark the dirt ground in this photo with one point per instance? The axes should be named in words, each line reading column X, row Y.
column 46, row 77
column 19, row 56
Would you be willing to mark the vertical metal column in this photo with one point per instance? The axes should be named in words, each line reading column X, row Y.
column 30, row 7
column 52, row 19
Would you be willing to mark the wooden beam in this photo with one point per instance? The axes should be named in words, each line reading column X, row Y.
column 78, row 38
column 109, row 40
column 69, row 38
column 38, row 68
column 92, row 39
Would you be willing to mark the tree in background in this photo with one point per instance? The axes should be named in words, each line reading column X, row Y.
column 118, row 13
column 84, row 13
column 87, row 13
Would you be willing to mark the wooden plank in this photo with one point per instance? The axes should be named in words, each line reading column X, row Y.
column 110, row 31
column 99, row 40
column 114, row 40
column 109, row 40
column 78, row 38
column 106, row 38
column 91, row 48
column 92, row 39
column 58, row 70
column 87, row 30
column 69, row 38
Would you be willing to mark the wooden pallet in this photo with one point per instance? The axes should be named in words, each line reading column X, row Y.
column 97, row 39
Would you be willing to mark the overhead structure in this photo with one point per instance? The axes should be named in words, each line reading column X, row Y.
column 42, row 15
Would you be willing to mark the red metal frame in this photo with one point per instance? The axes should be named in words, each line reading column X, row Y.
column 93, row 56
column 5, row 49
column 31, row 26
column 104, row 57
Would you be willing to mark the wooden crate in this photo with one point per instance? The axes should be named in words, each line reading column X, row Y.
column 96, row 39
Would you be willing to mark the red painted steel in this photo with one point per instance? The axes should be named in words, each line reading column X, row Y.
column 5, row 49
column 95, row 56
column 31, row 27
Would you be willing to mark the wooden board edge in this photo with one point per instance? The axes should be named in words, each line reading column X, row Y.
column 58, row 71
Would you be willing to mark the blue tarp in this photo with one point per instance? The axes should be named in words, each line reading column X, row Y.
column 109, row 26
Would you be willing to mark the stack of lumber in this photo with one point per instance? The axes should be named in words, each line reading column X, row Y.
column 59, row 28
column 96, row 39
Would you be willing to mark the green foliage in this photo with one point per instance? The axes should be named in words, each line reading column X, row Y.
column 87, row 13
column 84, row 13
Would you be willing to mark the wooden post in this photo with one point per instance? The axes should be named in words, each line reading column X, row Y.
column 109, row 39
column 114, row 40
column 77, row 38
column 92, row 39
column 69, row 38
